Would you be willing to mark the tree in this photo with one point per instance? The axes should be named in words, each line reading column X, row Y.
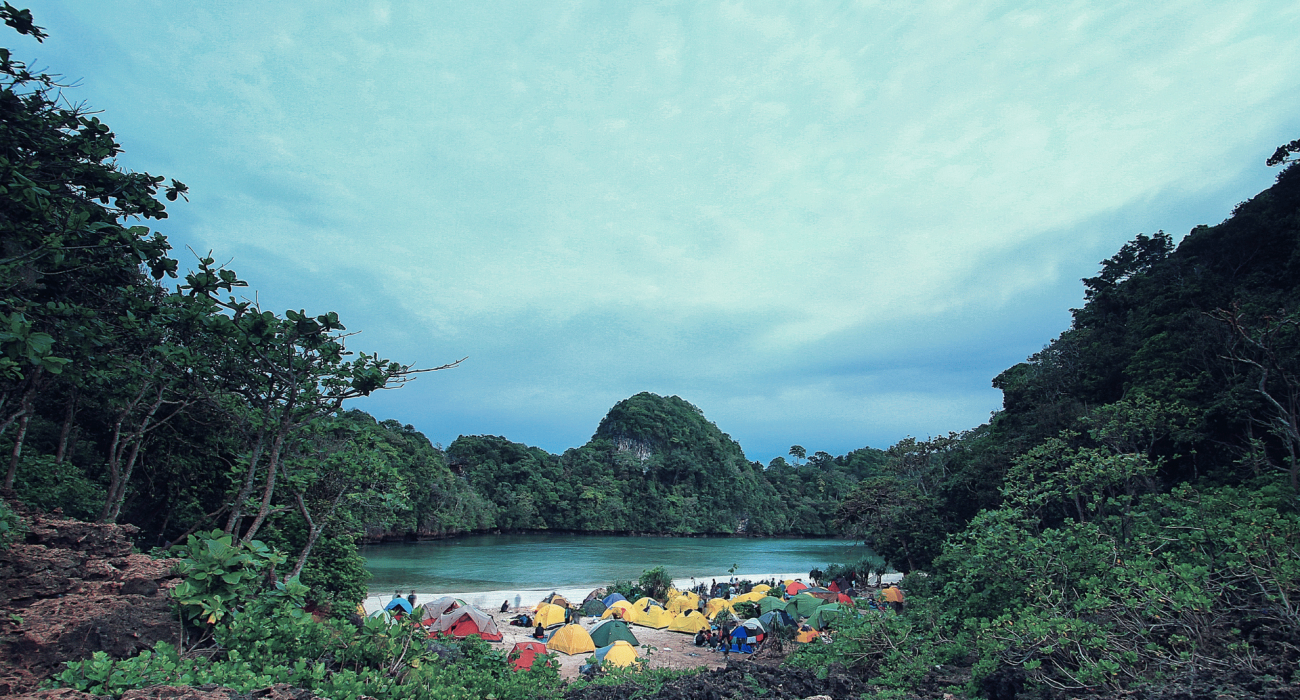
column 65, row 247
column 798, row 452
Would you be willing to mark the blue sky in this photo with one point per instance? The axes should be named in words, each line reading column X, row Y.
column 824, row 223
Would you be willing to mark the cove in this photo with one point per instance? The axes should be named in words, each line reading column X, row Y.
column 538, row 561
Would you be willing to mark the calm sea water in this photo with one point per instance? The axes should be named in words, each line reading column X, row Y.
column 502, row 562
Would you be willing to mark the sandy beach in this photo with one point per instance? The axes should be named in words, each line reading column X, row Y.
column 660, row 648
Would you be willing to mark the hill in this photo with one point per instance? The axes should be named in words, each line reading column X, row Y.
column 656, row 465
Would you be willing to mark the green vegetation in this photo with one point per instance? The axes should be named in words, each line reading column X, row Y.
column 1131, row 516
column 656, row 464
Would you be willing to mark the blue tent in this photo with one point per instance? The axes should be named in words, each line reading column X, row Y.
column 396, row 603
column 614, row 598
column 744, row 637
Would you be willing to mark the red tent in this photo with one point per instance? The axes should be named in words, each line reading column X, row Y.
column 524, row 653
column 462, row 622
column 833, row 587
column 845, row 599
column 794, row 588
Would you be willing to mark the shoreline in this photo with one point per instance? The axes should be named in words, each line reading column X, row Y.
column 519, row 598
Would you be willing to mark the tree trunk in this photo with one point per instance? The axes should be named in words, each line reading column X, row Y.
column 237, row 507
column 69, row 414
column 18, row 449
column 268, row 490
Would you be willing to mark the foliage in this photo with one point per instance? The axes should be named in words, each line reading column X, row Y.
column 221, row 575
column 11, row 526
column 656, row 464
column 655, row 583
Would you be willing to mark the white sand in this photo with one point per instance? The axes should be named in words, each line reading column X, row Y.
column 490, row 601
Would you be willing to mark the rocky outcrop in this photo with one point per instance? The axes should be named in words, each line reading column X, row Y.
column 72, row 588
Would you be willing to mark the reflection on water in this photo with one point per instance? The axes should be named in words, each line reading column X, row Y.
column 500, row 562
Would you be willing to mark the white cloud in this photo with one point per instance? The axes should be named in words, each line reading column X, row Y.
column 816, row 171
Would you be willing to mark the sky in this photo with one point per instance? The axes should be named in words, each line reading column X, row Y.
column 823, row 223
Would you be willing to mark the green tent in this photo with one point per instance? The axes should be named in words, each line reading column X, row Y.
column 606, row 632
column 803, row 605
column 828, row 614
column 593, row 608
column 770, row 603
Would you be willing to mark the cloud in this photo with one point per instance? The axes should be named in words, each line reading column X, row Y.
column 730, row 200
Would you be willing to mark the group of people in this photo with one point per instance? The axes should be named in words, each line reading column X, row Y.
column 715, row 639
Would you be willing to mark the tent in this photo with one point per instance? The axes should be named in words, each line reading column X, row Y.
column 751, row 597
column 548, row 615
column 622, row 609
column 803, row 605
column 775, row 619
column 893, row 594
column 762, row 588
column 524, row 653
column 595, row 594
column 682, row 602
column 690, row 623
column 823, row 593
column 619, row 653
column 435, row 609
column 645, row 603
column 770, row 603
column 571, row 639
column 607, row 632
column 715, row 605
column 613, row 598
column 825, row 615
column 793, row 587
column 844, row 599
column 398, row 606
column 465, row 621
column 655, row 617
column 556, row 599
column 594, row 608
column 834, row 586
column 745, row 636
column 806, row 634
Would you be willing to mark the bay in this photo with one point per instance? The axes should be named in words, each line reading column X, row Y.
column 538, row 561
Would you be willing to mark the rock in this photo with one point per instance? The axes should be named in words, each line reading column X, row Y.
column 60, row 694
column 139, row 586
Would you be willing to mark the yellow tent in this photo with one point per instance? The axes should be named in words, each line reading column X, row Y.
column 762, row 588
column 622, row 609
column 689, row 595
column 655, row 617
column 806, row 634
column 646, row 602
column 571, row 639
column 682, row 604
column 689, row 624
column 549, row 615
column 672, row 592
column 620, row 653
column 751, row 597
column 716, row 604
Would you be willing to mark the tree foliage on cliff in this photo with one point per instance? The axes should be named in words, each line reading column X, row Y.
column 656, row 464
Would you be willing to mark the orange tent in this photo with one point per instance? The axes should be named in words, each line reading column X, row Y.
column 793, row 588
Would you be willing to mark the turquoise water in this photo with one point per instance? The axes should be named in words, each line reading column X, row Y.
column 505, row 562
